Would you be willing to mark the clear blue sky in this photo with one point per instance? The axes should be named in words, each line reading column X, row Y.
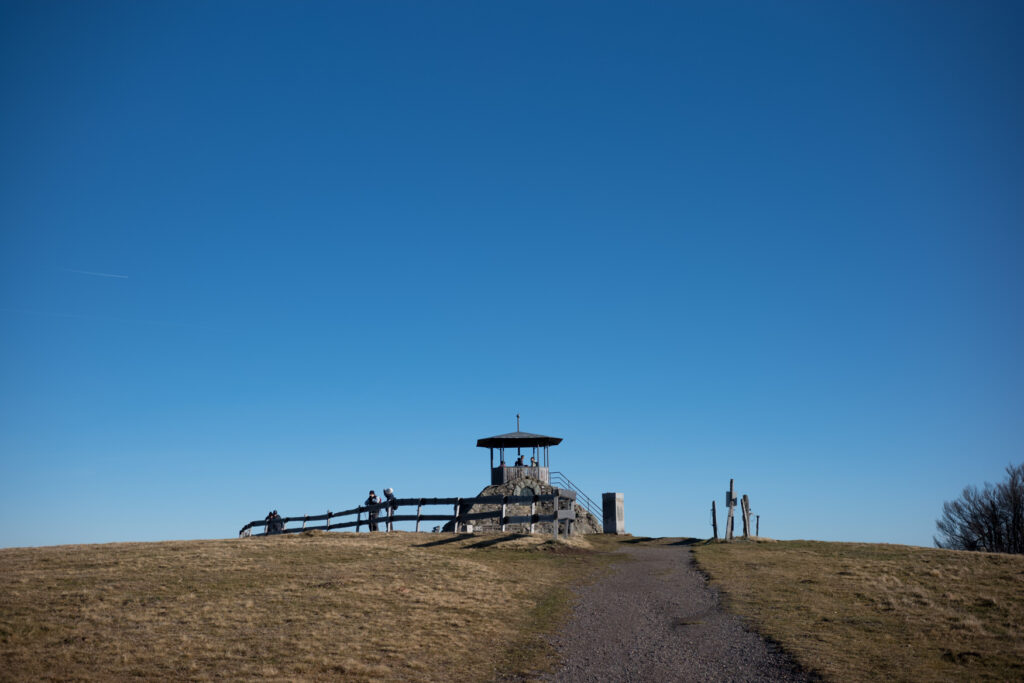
column 261, row 256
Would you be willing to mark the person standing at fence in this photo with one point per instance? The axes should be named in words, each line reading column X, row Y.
column 371, row 503
column 389, row 493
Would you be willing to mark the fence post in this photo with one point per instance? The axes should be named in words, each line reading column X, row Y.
column 359, row 519
column 746, row 516
column 533, row 514
column 714, row 519
column 554, row 524
column 730, row 501
column 758, row 531
column 419, row 510
column 504, row 502
column 304, row 519
column 458, row 513
column 328, row 520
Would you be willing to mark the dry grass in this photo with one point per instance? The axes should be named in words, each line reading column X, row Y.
column 854, row 612
column 314, row 606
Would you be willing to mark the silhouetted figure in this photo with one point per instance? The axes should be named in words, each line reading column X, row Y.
column 519, row 461
column 275, row 524
column 371, row 501
column 389, row 493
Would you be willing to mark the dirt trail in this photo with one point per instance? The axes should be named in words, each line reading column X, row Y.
column 655, row 619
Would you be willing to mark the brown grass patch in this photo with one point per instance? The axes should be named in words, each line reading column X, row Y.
column 869, row 612
column 312, row 606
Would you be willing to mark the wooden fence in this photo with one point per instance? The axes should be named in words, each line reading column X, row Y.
column 387, row 514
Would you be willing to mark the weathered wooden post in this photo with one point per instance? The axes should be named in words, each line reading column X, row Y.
column 714, row 519
column 745, row 516
column 554, row 524
column 730, row 501
column 419, row 512
column 458, row 514
column 328, row 520
column 391, row 512
column 758, row 530
column 533, row 514
column 359, row 519
column 612, row 511
column 504, row 503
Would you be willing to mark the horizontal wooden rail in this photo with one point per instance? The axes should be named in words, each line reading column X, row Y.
column 384, row 513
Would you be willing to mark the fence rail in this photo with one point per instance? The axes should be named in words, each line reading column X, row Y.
column 386, row 513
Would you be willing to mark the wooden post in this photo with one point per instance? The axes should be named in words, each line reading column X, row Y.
column 554, row 524
column 391, row 512
column 359, row 519
column 458, row 513
column 328, row 520
column 730, row 501
column 304, row 518
column 504, row 501
column 757, row 531
column 419, row 511
column 714, row 519
column 533, row 514
column 745, row 516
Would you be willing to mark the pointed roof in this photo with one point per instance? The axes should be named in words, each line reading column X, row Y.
column 518, row 440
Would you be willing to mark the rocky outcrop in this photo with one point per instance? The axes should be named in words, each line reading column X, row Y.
column 585, row 522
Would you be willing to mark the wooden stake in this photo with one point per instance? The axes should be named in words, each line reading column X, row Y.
column 730, row 501
column 714, row 519
column 745, row 516
column 554, row 524
column 533, row 514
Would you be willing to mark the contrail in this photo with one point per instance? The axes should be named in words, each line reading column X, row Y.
column 89, row 272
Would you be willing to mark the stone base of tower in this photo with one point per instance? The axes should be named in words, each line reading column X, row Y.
column 585, row 522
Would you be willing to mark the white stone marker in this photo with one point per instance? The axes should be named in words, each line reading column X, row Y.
column 614, row 517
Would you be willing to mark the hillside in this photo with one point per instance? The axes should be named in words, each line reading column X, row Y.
column 439, row 606
column 316, row 605
column 855, row 611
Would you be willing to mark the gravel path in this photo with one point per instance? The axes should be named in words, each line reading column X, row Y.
column 656, row 619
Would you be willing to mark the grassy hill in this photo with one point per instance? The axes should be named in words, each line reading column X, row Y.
column 438, row 606
column 857, row 612
column 314, row 605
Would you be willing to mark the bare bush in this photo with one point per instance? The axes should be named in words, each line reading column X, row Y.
column 989, row 519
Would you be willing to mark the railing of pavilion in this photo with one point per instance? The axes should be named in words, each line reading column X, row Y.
column 583, row 500
column 387, row 514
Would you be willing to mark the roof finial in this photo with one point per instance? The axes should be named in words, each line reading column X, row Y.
column 517, row 422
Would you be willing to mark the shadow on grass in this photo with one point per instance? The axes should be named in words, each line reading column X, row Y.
column 496, row 540
column 445, row 541
column 689, row 541
column 649, row 540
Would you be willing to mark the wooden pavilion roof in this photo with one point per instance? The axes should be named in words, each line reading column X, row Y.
column 518, row 440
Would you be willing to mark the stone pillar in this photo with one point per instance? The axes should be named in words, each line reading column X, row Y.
column 614, row 519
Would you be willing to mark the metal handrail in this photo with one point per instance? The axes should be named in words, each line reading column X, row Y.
column 585, row 501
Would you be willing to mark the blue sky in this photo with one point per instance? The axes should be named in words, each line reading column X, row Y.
column 780, row 242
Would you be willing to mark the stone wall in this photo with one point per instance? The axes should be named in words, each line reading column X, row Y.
column 585, row 522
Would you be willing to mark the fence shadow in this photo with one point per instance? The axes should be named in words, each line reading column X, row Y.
column 445, row 541
column 488, row 542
